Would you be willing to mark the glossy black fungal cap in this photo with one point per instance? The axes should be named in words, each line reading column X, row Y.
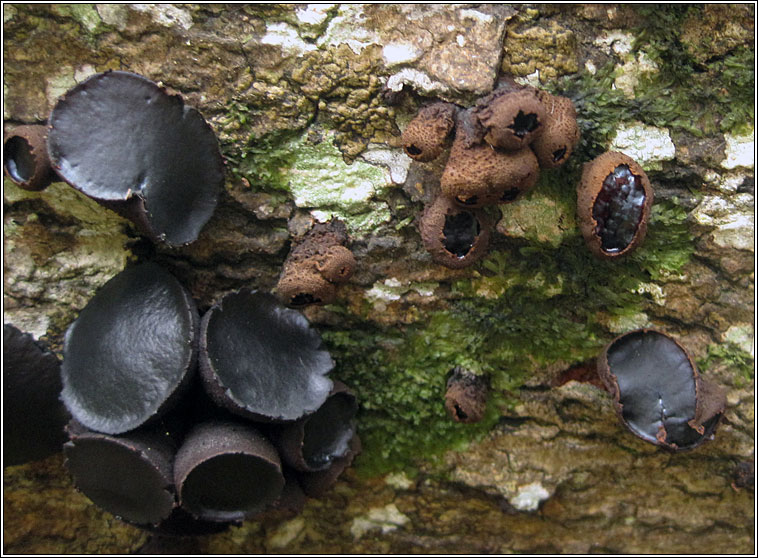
column 227, row 471
column 25, row 157
column 614, row 200
column 33, row 416
column 315, row 441
column 131, row 350
column 658, row 392
column 262, row 360
column 129, row 476
column 119, row 138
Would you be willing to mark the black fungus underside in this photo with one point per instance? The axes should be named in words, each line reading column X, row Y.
column 129, row 350
column 118, row 134
column 33, row 416
column 229, row 487
column 327, row 433
column 267, row 356
column 460, row 232
column 18, row 159
column 656, row 384
column 120, row 479
column 618, row 209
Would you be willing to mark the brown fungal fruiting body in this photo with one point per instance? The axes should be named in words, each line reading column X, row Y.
column 25, row 157
column 455, row 237
column 556, row 143
column 511, row 119
column 613, row 206
column 466, row 395
column 316, row 265
column 478, row 175
column 658, row 394
column 425, row 136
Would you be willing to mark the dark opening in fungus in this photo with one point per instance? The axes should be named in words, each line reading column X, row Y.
column 122, row 140
column 33, row 416
column 227, row 472
column 524, row 124
column 261, row 360
column 460, row 232
column 614, row 202
column 453, row 236
column 25, row 157
column 658, row 392
column 511, row 117
column 131, row 352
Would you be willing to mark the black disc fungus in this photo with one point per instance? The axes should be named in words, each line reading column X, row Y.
column 131, row 350
column 122, row 140
column 658, row 392
column 262, row 360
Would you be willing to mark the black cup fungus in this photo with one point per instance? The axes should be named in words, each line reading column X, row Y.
column 129, row 476
column 125, row 142
column 658, row 393
column 227, row 471
column 131, row 352
column 313, row 442
column 262, row 360
column 25, row 157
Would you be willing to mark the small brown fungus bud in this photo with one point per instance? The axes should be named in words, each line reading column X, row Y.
column 511, row 119
column 425, row 136
column 25, row 158
column 613, row 206
column 315, row 265
column 466, row 395
column 454, row 237
column 657, row 391
column 561, row 132
column 478, row 174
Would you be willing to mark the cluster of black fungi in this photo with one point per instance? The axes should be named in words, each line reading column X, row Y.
column 185, row 426
column 175, row 424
